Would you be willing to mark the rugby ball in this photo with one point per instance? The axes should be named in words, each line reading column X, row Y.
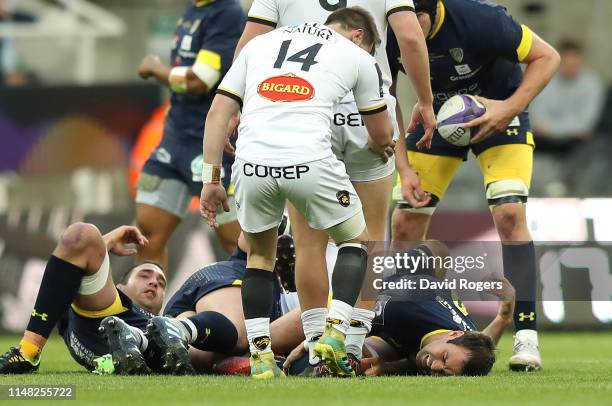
column 459, row 110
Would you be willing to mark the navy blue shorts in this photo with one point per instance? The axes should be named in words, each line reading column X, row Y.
column 179, row 157
column 204, row 281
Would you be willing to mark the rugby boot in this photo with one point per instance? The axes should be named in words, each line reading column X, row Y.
column 13, row 362
column 170, row 341
column 264, row 366
column 526, row 356
column 123, row 347
column 330, row 348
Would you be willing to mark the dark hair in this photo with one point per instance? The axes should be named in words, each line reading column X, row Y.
column 355, row 18
column 570, row 45
column 482, row 352
column 126, row 276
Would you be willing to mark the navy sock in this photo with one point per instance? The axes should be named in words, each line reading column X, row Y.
column 349, row 273
column 520, row 269
column 257, row 291
column 215, row 332
column 59, row 286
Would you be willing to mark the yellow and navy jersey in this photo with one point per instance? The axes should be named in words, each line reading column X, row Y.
column 405, row 318
column 476, row 48
column 208, row 32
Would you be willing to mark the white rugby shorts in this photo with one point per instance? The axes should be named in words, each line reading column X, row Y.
column 350, row 143
column 321, row 190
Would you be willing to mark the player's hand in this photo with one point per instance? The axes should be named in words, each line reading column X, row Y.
column 213, row 196
column 497, row 118
column 412, row 191
column 385, row 152
column 423, row 114
column 507, row 296
column 147, row 66
column 118, row 239
column 373, row 366
column 297, row 353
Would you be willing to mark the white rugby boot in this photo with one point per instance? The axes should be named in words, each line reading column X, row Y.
column 526, row 356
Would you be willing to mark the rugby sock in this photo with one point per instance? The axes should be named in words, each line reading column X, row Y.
column 258, row 334
column 210, row 331
column 349, row 273
column 359, row 326
column 520, row 269
column 339, row 315
column 59, row 287
column 257, row 291
column 313, row 323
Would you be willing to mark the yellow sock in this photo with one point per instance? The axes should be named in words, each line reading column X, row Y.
column 30, row 351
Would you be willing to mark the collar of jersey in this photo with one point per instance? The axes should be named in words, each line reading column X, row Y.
column 431, row 333
column 440, row 22
column 200, row 3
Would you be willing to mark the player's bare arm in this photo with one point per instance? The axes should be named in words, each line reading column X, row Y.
column 542, row 63
column 179, row 79
column 213, row 193
column 507, row 296
column 251, row 30
column 416, row 62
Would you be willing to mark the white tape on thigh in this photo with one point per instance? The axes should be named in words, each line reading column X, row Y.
column 94, row 283
column 349, row 229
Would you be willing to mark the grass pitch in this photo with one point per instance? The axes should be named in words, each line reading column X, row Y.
column 578, row 370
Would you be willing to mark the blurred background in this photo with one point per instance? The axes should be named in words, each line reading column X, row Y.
column 76, row 125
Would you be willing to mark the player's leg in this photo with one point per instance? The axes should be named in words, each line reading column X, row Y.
column 435, row 173
column 228, row 231
column 260, row 204
column 257, row 299
column 329, row 202
column 507, row 171
column 375, row 196
column 311, row 277
column 77, row 272
column 157, row 225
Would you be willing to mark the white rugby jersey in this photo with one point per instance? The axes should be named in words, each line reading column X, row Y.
column 289, row 81
column 293, row 12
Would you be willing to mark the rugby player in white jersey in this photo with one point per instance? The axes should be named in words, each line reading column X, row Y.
column 290, row 80
column 370, row 173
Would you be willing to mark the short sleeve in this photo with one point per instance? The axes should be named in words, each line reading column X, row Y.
column 233, row 84
column 393, row 53
column 368, row 90
column 394, row 6
column 511, row 40
column 220, row 37
column 264, row 12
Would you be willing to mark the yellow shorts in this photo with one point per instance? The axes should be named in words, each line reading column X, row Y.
column 502, row 162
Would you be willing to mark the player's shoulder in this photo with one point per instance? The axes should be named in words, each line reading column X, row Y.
column 474, row 14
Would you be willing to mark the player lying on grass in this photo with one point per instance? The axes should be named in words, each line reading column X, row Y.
column 427, row 332
column 216, row 287
column 78, row 282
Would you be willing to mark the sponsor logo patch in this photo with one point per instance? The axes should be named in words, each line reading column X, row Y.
column 343, row 198
column 261, row 343
column 286, row 88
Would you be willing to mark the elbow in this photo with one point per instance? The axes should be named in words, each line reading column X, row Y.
column 555, row 58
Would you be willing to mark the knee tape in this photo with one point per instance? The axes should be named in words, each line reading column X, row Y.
column 506, row 191
column 94, row 283
column 348, row 229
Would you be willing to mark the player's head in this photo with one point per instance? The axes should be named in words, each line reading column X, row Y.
column 426, row 11
column 457, row 353
column 357, row 25
column 572, row 59
column 145, row 284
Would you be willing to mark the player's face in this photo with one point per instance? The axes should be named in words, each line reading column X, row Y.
column 571, row 64
column 442, row 358
column 147, row 287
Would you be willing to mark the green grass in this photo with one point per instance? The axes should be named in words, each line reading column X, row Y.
column 578, row 370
